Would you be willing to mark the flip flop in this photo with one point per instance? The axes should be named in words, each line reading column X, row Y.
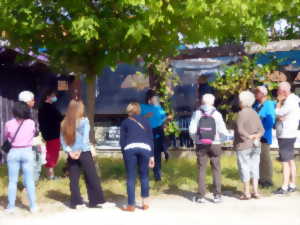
column 245, row 197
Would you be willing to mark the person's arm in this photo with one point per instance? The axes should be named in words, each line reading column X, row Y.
column 163, row 114
column 58, row 114
column 261, row 129
column 33, row 127
column 282, row 108
column 240, row 126
column 268, row 116
column 150, row 136
column 66, row 148
column 221, row 126
column 123, row 135
column 86, row 134
column 194, row 125
column 6, row 132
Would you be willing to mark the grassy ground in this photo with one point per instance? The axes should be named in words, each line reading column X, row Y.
column 179, row 178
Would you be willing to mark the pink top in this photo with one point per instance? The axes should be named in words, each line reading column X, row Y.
column 25, row 135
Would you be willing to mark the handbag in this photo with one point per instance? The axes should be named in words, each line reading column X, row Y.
column 7, row 145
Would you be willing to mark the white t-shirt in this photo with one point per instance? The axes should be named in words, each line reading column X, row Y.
column 290, row 112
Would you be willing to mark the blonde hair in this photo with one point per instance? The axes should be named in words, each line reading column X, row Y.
column 74, row 112
column 133, row 108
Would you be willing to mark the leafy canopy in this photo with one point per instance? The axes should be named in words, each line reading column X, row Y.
column 86, row 35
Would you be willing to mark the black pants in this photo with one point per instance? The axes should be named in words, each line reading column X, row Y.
column 158, row 138
column 204, row 153
column 92, row 181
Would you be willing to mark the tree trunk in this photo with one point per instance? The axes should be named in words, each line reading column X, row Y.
column 91, row 99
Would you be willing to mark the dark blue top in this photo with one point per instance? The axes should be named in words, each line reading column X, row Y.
column 131, row 132
column 266, row 113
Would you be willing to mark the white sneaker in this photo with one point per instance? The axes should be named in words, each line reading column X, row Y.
column 34, row 209
column 107, row 205
column 10, row 210
column 217, row 199
column 199, row 200
column 81, row 206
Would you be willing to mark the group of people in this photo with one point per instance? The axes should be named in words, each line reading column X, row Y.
column 142, row 144
column 257, row 116
column 37, row 139
column 31, row 138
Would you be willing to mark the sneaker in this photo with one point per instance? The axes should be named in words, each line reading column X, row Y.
column 199, row 200
column 107, row 205
column 217, row 199
column 280, row 191
column 292, row 189
column 10, row 210
column 79, row 206
column 34, row 210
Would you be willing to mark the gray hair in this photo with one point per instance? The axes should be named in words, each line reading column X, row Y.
column 208, row 99
column 285, row 86
column 246, row 99
column 263, row 90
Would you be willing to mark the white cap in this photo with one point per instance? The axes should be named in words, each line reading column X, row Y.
column 26, row 96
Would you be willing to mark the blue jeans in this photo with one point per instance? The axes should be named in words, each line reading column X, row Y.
column 38, row 163
column 21, row 158
column 133, row 158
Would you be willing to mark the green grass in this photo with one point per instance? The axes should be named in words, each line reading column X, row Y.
column 179, row 178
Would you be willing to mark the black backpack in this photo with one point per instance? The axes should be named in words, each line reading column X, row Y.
column 206, row 128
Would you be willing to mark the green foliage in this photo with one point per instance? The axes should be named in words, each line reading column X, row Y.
column 165, row 81
column 86, row 35
column 245, row 75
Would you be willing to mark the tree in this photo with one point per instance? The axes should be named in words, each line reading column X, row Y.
column 84, row 36
column 245, row 75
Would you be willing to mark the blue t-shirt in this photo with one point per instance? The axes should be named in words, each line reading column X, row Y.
column 158, row 114
column 267, row 115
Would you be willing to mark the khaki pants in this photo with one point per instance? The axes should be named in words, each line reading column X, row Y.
column 265, row 166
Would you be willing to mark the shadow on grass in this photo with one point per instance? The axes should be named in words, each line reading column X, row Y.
column 119, row 200
column 3, row 203
column 174, row 190
column 59, row 196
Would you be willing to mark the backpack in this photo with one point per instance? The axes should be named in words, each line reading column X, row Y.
column 206, row 128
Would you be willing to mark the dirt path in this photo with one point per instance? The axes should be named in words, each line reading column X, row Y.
column 173, row 210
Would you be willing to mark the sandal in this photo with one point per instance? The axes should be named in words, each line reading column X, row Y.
column 145, row 207
column 245, row 197
column 256, row 196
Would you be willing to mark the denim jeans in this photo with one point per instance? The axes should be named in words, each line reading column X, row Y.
column 21, row 158
column 133, row 158
column 38, row 163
